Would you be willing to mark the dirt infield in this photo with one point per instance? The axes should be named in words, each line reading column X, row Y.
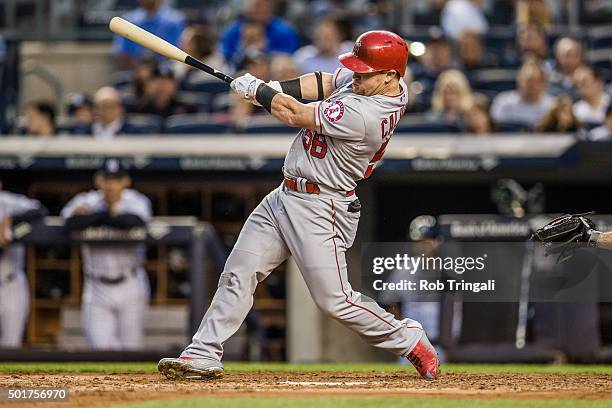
column 105, row 389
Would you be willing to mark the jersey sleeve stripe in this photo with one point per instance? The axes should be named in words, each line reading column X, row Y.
column 319, row 117
column 336, row 78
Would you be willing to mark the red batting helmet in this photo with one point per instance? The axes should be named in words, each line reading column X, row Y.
column 377, row 51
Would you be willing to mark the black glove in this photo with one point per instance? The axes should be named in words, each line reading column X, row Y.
column 564, row 234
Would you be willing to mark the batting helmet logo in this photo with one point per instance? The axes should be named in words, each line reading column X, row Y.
column 334, row 111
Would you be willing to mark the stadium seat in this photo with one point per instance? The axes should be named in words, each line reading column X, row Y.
column 198, row 123
column 122, row 79
column 266, row 124
column 199, row 99
column 498, row 40
column 511, row 128
column 220, row 102
column 212, row 86
column 145, row 123
column 423, row 124
column 601, row 37
column 495, row 80
column 601, row 58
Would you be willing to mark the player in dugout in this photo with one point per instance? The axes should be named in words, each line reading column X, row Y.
column 116, row 288
column 14, row 293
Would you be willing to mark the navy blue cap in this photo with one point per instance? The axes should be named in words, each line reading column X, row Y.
column 423, row 227
column 112, row 168
column 79, row 100
column 163, row 71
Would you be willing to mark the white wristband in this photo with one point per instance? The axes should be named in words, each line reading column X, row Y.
column 593, row 237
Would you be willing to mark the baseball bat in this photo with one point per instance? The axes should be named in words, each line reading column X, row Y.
column 134, row 33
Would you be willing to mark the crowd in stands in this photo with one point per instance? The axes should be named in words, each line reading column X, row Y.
column 464, row 75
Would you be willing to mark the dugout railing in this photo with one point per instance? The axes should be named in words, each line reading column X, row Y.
column 203, row 254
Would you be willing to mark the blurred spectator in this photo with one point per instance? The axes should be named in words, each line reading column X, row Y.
column 568, row 57
column 478, row 118
column 142, row 73
column 591, row 108
column 438, row 57
column 283, row 67
column 280, row 37
column 199, row 42
column 161, row 95
column 595, row 11
column 253, row 42
column 533, row 12
column 560, row 118
column 109, row 118
column 528, row 104
column 80, row 109
column 155, row 17
column 471, row 52
column 532, row 41
column 461, row 15
column 603, row 133
column 452, row 97
column 40, row 119
column 327, row 44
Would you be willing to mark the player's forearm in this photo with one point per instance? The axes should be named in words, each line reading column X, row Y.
column 123, row 221
column 82, row 221
column 312, row 87
column 30, row 215
column 604, row 241
column 291, row 112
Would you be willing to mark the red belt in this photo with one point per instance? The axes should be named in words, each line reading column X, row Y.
column 309, row 187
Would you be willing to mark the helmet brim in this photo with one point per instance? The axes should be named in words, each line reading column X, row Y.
column 353, row 63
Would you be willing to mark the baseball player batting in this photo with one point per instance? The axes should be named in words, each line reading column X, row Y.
column 313, row 214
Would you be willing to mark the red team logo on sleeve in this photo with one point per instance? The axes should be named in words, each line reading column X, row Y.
column 334, row 111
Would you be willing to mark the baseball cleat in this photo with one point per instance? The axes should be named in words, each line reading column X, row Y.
column 425, row 359
column 186, row 368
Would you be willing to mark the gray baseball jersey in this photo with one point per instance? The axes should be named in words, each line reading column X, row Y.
column 113, row 314
column 14, row 292
column 352, row 132
column 316, row 229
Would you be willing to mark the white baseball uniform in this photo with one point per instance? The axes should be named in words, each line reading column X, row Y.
column 116, row 289
column 14, row 292
column 351, row 135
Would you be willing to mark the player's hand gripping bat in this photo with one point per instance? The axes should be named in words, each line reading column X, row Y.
column 134, row 33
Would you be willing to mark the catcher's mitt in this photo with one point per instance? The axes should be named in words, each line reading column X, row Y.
column 564, row 234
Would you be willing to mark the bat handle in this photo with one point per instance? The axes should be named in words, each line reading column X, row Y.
column 200, row 65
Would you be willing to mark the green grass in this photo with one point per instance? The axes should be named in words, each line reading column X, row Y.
column 340, row 402
column 106, row 368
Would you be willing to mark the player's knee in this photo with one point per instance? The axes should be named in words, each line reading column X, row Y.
column 332, row 306
column 240, row 271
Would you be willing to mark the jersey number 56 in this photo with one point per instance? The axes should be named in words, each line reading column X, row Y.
column 314, row 143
